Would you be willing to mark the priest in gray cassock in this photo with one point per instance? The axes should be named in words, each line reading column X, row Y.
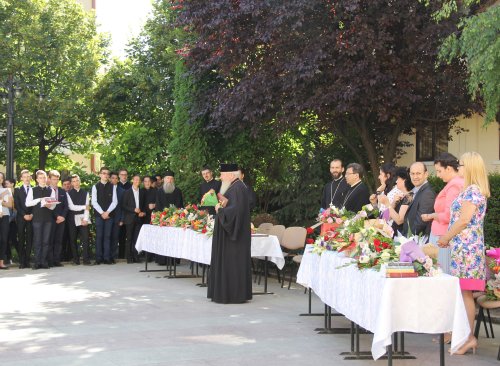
column 230, row 279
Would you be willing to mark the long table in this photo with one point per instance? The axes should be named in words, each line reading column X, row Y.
column 188, row 244
column 386, row 305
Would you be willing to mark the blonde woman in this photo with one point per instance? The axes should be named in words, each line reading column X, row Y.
column 465, row 236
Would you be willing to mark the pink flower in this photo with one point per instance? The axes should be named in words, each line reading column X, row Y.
column 329, row 220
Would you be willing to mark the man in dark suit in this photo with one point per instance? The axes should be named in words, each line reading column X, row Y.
column 357, row 195
column 60, row 213
column 24, row 220
column 133, row 208
column 117, row 245
column 423, row 202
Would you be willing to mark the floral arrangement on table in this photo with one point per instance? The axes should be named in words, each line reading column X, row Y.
column 370, row 241
column 493, row 284
column 189, row 217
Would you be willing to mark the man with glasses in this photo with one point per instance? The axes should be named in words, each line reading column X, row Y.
column 104, row 201
column 422, row 203
column 357, row 195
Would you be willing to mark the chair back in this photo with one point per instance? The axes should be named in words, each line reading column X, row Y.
column 294, row 238
column 278, row 231
column 264, row 228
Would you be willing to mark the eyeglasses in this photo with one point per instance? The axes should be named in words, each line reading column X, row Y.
column 460, row 165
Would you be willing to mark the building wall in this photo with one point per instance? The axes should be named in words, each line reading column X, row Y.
column 484, row 140
column 87, row 4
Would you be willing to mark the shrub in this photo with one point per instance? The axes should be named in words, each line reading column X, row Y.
column 492, row 219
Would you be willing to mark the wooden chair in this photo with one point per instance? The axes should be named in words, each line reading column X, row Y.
column 485, row 304
column 276, row 230
column 264, row 228
column 294, row 240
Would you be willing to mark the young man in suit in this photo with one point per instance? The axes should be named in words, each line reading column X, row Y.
column 43, row 218
column 117, row 245
column 104, row 202
column 78, row 220
column 133, row 207
column 422, row 203
column 24, row 220
column 60, row 213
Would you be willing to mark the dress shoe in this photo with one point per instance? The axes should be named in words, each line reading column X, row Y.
column 470, row 345
column 4, row 267
column 76, row 262
column 35, row 267
column 86, row 263
column 97, row 263
column 45, row 266
column 113, row 261
column 22, row 266
column 58, row 264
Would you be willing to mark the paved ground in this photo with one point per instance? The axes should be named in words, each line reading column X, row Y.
column 114, row 315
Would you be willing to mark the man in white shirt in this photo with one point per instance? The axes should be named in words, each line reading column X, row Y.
column 104, row 202
column 78, row 220
column 134, row 211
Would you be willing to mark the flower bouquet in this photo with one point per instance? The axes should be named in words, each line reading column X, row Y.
column 493, row 284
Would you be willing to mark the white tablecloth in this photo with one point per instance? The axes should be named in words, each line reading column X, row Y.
column 188, row 244
column 386, row 305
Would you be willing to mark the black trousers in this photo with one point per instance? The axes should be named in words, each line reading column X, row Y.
column 25, row 236
column 4, row 236
column 83, row 233
column 132, row 232
column 56, row 241
column 42, row 232
column 12, row 242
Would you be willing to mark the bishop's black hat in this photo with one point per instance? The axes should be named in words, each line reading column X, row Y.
column 228, row 167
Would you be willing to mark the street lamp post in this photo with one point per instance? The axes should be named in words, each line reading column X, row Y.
column 12, row 90
column 10, row 127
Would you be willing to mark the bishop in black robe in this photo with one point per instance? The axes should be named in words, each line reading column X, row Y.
column 334, row 192
column 230, row 279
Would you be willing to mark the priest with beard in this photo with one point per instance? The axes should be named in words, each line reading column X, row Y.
column 230, row 278
column 334, row 191
column 169, row 194
column 358, row 195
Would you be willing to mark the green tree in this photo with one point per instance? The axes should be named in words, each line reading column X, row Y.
column 478, row 44
column 52, row 47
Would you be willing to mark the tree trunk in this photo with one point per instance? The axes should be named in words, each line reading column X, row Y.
column 42, row 156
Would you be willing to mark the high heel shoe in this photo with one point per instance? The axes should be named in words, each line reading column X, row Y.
column 470, row 344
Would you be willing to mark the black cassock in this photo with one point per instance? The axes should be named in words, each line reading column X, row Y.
column 334, row 193
column 356, row 197
column 167, row 199
column 204, row 188
column 230, row 280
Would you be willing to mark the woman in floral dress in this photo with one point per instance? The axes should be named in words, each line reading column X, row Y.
column 465, row 236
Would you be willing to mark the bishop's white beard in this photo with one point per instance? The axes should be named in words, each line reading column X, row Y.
column 224, row 187
column 168, row 187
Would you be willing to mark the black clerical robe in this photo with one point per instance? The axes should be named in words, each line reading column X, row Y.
column 334, row 193
column 230, row 279
column 356, row 197
column 167, row 199
column 206, row 186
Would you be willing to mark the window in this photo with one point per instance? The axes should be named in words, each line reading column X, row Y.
column 432, row 140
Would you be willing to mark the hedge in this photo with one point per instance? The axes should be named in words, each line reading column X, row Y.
column 492, row 220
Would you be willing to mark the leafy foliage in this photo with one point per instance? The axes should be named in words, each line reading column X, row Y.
column 478, row 44
column 364, row 68
column 52, row 47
